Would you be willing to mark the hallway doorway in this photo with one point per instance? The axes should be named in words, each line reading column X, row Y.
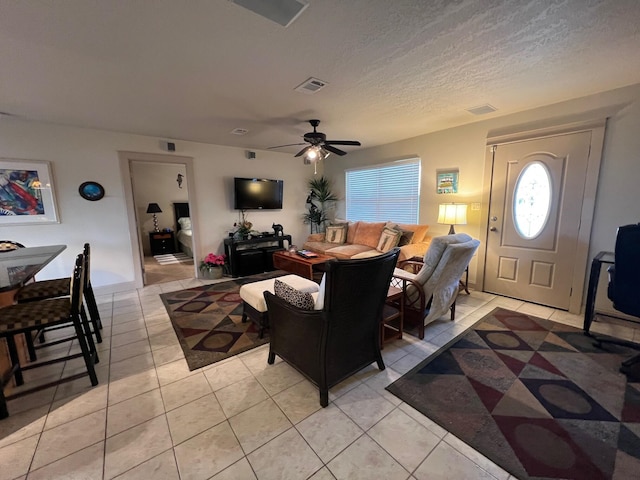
column 157, row 192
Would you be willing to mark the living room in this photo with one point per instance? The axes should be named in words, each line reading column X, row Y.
column 87, row 148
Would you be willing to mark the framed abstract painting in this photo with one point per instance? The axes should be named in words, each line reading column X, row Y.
column 27, row 194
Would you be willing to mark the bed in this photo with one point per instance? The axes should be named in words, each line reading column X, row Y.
column 184, row 234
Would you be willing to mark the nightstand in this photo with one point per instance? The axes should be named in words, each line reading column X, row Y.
column 162, row 243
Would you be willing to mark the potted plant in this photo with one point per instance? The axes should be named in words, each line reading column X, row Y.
column 320, row 200
column 242, row 228
column 212, row 266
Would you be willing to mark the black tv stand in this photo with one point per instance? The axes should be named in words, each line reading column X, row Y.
column 253, row 255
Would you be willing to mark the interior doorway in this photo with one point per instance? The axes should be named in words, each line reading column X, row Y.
column 161, row 199
column 538, row 216
column 157, row 193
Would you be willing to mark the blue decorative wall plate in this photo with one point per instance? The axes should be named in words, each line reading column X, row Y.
column 91, row 191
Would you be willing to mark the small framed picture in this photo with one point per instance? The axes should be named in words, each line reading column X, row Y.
column 27, row 195
column 447, row 181
column 91, row 191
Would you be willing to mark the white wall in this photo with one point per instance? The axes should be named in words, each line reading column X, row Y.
column 78, row 155
column 618, row 197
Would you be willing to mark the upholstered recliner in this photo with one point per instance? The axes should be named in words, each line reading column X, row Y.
column 432, row 291
column 331, row 344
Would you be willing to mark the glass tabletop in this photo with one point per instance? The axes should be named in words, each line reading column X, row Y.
column 19, row 266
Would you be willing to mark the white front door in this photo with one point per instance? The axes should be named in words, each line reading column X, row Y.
column 537, row 191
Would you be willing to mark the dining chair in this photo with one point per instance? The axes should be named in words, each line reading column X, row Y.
column 29, row 317
column 59, row 287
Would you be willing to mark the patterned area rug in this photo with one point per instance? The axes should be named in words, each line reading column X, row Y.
column 536, row 397
column 208, row 320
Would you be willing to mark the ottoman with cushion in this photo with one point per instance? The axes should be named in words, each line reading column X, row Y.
column 254, row 305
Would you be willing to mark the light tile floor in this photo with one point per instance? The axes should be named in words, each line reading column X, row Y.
column 150, row 417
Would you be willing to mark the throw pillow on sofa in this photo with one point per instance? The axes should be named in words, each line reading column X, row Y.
column 405, row 235
column 336, row 233
column 388, row 239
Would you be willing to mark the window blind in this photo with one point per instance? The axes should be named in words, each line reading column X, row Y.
column 383, row 193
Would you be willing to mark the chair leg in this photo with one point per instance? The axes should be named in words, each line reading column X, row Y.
column 453, row 311
column 324, row 397
column 4, row 411
column 92, row 305
column 271, row 358
column 380, row 362
column 86, row 353
column 88, row 334
column 94, row 322
column 15, row 360
column 30, row 347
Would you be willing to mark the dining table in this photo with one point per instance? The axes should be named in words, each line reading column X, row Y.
column 18, row 267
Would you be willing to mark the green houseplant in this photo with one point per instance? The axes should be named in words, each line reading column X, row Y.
column 319, row 203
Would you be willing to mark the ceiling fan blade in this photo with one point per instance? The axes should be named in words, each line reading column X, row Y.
column 287, row 145
column 342, row 142
column 303, row 151
column 335, row 150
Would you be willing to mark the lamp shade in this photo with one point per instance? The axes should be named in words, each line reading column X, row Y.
column 452, row 213
column 154, row 208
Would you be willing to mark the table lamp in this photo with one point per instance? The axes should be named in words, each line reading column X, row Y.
column 155, row 208
column 452, row 214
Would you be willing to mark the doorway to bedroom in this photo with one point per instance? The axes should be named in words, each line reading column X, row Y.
column 161, row 203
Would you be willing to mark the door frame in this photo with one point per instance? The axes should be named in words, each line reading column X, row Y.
column 597, row 129
column 126, row 158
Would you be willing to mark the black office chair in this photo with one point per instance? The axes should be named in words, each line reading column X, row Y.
column 624, row 286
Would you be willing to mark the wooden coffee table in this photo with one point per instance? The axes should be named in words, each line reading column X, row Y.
column 294, row 263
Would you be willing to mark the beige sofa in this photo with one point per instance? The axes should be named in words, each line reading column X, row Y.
column 363, row 238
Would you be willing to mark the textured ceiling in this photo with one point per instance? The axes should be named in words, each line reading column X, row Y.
column 395, row 69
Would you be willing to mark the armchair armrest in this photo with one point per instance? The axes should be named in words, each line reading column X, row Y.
column 410, row 265
column 415, row 301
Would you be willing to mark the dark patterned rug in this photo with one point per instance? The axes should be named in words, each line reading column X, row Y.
column 208, row 320
column 535, row 396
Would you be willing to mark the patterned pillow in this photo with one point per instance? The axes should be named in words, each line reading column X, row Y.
column 336, row 233
column 406, row 236
column 388, row 239
column 302, row 300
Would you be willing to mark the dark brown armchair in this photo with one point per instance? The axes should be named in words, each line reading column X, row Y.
column 329, row 345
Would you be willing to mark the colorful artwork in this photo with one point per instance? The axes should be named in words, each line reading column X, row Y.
column 26, row 192
column 447, row 182
column 20, row 192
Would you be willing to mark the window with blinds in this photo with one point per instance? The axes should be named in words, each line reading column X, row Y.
column 383, row 193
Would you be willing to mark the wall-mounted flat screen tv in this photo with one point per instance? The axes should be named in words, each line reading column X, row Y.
column 257, row 194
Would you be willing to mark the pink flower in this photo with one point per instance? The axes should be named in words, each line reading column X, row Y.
column 212, row 260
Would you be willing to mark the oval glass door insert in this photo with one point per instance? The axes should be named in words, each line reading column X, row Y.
column 532, row 200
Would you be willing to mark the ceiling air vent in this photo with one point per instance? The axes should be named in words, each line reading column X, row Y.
column 282, row 12
column 239, row 131
column 311, row 86
column 482, row 109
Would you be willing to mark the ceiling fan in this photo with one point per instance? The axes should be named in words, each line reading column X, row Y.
column 319, row 147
